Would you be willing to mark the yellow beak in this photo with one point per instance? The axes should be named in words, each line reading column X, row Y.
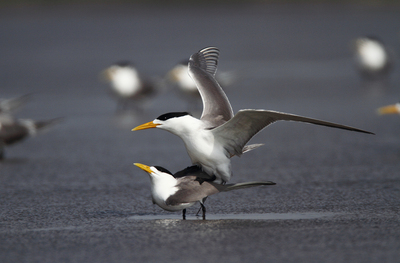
column 146, row 125
column 143, row 167
column 390, row 109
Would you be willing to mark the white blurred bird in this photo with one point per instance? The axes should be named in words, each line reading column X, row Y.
column 372, row 58
column 219, row 134
column 185, row 85
column 128, row 85
column 180, row 77
column 175, row 192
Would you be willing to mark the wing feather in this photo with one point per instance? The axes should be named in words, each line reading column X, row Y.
column 235, row 133
column 202, row 68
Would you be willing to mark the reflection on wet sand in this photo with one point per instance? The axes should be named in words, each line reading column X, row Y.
column 253, row 216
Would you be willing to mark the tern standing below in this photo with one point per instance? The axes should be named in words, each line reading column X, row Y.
column 175, row 192
column 219, row 134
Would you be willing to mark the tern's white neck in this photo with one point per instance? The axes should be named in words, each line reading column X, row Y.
column 163, row 185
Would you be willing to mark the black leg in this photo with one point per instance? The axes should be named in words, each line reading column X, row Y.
column 204, row 211
column 203, row 201
column 184, row 214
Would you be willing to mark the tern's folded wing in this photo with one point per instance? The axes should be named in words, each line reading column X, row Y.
column 191, row 190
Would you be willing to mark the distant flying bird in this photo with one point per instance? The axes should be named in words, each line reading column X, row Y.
column 219, row 134
column 128, row 85
column 372, row 58
column 15, row 130
column 390, row 109
column 175, row 192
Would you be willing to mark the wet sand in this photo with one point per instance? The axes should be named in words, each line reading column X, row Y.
column 72, row 194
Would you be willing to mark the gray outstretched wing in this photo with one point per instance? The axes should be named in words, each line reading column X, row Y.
column 235, row 133
column 202, row 68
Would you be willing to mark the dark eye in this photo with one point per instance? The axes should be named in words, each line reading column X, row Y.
column 170, row 115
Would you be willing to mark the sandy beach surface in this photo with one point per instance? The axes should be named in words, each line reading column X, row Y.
column 72, row 194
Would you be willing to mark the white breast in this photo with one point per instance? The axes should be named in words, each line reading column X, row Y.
column 209, row 154
column 162, row 187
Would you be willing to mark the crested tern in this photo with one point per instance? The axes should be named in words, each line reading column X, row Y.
column 175, row 192
column 219, row 134
column 372, row 58
column 127, row 84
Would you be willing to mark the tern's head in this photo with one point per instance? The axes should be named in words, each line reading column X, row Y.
column 159, row 176
column 390, row 109
column 154, row 170
column 175, row 122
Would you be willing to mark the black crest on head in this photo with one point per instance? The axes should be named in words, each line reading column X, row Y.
column 170, row 115
column 162, row 169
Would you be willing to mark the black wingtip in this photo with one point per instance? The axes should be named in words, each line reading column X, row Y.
column 367, row 132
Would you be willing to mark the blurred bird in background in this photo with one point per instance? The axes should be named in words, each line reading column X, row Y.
column 373, row 59
column 128, row 86
column 13, row 130
column 178, row 77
